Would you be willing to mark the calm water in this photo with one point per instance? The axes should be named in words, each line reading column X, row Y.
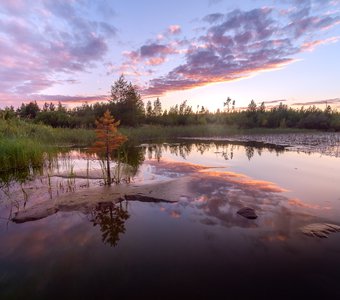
column 197, row 246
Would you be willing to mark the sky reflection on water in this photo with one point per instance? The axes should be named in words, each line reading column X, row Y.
column 310, row 178
column 195, row 247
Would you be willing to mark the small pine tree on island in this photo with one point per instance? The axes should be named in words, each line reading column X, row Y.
column 107, row 139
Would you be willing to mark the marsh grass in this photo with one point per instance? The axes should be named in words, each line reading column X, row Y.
column 18, row 129
column 25, row 147
column 20, row 153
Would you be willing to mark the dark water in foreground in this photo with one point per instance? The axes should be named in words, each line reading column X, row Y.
column 197, row 247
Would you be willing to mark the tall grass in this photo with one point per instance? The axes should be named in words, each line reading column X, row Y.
column 18, row 153
column 25, row 146
column 45, row 134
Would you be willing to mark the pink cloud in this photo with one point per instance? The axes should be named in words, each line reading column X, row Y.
column 174, row 29
column 155, row 61
column 14, row 6
column 68, row 99
column 241, row 43
column 35, row 51
column 309, row 46
column 151, row 54
column 154, row 52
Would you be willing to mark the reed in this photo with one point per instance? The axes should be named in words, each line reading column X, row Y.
column 19, row 129
column 20, row 154
column 25, row 146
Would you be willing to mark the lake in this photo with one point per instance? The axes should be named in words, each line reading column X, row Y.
column 174, row 229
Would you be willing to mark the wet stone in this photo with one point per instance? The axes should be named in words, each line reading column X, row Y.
column 247, row 212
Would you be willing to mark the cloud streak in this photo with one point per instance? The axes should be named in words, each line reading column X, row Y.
column 274, row 101
column 65, row 98
column 319, row 102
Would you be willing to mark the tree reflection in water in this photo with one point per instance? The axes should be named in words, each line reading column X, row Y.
column 225, row 148
column 128, row 159
column 111, row 219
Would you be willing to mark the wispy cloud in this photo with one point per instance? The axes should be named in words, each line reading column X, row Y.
column 69, row 101
column 309, row 46
column 319, row 102
column 274, row 101
column 65, row 98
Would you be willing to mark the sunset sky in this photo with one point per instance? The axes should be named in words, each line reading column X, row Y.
column 202, row 51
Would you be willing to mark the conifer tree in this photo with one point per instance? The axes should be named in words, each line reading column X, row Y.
column 107, row 139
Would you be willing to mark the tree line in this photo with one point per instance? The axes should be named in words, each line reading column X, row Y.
column 126, row 105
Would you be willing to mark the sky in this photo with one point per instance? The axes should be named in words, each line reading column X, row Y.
column 202, row 51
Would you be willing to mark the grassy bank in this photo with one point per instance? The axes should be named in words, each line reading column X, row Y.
column 17, row 129
column 23, row 146
column 160, row 133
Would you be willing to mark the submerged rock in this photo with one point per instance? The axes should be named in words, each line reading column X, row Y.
column 247, row 212
column 321, row 230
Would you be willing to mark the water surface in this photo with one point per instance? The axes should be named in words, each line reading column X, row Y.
column 197, row 246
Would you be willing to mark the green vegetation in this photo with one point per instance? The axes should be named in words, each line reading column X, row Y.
column 20, row 154
column 24, row 146
column 125, row 105
column 43, row 134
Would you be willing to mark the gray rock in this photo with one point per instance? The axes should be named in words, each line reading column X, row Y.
column 247, row 212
